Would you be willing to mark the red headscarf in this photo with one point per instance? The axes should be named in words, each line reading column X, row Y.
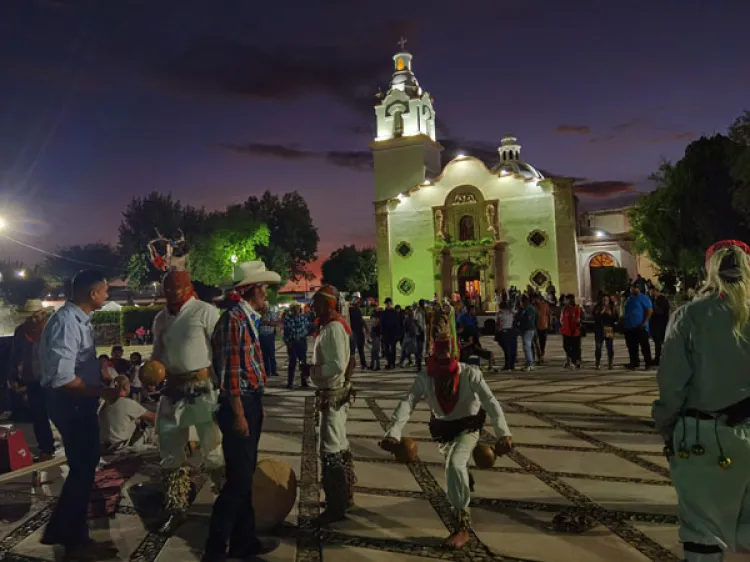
column 442, row 368
column 725, row 244
column 32, row 329
column 331, row 294
column 178, row 289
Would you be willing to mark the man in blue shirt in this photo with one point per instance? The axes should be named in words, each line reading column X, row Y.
column 638, row 311
column 71, row 377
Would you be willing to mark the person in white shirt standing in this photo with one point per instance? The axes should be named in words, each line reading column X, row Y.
column 331, row 371
column 182, row 342
column 460, row 400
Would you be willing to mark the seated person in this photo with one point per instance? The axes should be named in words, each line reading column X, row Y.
column 125, row 423
column 121, row 365
column 137, row 391
column 108, row 371
column 470, row 345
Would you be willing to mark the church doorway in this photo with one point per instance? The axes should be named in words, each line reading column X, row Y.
column 598, row 264
column 469, row 284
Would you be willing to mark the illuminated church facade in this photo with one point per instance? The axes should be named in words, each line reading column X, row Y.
column 469, row 229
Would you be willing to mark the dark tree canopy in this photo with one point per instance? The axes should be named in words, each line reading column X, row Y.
column 700, row 199
column 739, row 131
column 293, row 238
column 139, row 220
column 73, row 259
column 352, row 270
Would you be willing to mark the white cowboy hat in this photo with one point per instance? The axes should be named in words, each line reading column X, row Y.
column 32, row 306
column 254, row 273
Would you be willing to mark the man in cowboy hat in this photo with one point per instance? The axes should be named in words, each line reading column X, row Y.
column 26, row 365
column 331, row 371
column 238, row 363
column 182, row 342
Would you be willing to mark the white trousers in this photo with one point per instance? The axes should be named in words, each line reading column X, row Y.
column 714, row 502
column 457, row 454
column 333, row 430
column 173, row 423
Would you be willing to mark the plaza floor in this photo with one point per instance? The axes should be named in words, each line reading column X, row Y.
column 583, row 442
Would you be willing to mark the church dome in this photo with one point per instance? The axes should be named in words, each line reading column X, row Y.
column 510, row 161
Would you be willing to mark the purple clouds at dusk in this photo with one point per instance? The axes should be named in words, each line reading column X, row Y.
column 105, row 100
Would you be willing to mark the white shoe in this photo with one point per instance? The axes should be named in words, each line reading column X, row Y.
column 529, row 368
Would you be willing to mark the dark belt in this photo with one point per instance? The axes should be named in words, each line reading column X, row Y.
column 697, row 414
column 445, row 431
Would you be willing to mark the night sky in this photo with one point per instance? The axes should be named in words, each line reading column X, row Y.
column 213, row 101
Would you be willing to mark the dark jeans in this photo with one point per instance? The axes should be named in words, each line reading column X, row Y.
column 39, row 417
column 658, row 333
column 389, row 344
column 77, row 421
column 635, row 338
column 297, row 354
column 419, row 355
column 268, row 349
column 541, row 338
column 233, row 518
column 572, row 347
column 599, row 342
column 508, row 340
column 359, row 343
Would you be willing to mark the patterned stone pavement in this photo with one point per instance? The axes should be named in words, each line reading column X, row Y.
column 584, row 444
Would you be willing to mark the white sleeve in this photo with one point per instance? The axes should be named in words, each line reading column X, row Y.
column 332, row 357
column 211, row 319
column 403, row 411
column 156, row 331
column 489, row 403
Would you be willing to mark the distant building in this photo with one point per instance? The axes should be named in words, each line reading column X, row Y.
column 471, row 229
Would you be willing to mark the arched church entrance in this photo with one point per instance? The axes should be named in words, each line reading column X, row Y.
column 598, row 264
column 469, row 283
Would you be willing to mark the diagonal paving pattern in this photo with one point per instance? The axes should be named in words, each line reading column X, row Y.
column 584, row 445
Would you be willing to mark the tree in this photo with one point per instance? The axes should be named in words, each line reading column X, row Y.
column 228, row 237
column 75, row 258
column 699, row 200
column 352, row 270
column 739, row 131
column 139, row 221
column 19, row 284
column 293, row 238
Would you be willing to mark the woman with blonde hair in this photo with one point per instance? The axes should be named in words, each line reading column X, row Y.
column 703, row 410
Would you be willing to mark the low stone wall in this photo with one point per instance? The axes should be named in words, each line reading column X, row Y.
column 107, row 334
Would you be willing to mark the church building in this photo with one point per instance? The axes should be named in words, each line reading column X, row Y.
column 468, row 229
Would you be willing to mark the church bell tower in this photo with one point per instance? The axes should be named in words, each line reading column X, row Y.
column 405, row 152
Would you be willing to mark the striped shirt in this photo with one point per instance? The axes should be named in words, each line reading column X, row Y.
column 238, row 362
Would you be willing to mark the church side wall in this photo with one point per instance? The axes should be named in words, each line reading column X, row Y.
column 414, row 226
column 519, row 217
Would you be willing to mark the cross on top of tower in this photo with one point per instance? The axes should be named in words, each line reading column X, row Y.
column 402, row 43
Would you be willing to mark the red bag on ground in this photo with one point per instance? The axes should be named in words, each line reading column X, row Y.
column 14, row 452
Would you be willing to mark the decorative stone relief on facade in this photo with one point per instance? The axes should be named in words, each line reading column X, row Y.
column 439, row 225
column 464, row 198
column 490, row 215
column 537, row 238
column 540, row 278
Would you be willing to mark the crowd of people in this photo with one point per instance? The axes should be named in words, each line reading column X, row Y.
column 216, row 370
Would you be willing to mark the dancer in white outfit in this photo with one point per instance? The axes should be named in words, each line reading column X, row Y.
column 460, row 400
column 331, row 371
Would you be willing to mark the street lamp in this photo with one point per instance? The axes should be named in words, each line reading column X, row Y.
column 233, row 258
column 21, row 273
column 3, row 224
column 600, row 234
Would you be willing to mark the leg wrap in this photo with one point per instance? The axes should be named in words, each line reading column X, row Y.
column 335, row 484
column 463, row 520
column 351, row 477
column 177, row 486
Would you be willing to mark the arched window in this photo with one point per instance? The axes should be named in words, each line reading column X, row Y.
column 602, row 260
column 400, row 64
column 398, row 124
column 466, row 228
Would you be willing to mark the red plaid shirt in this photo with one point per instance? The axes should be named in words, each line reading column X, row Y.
column 238, row 361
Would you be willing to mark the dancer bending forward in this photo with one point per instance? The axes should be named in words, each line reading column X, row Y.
column 459, row 399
